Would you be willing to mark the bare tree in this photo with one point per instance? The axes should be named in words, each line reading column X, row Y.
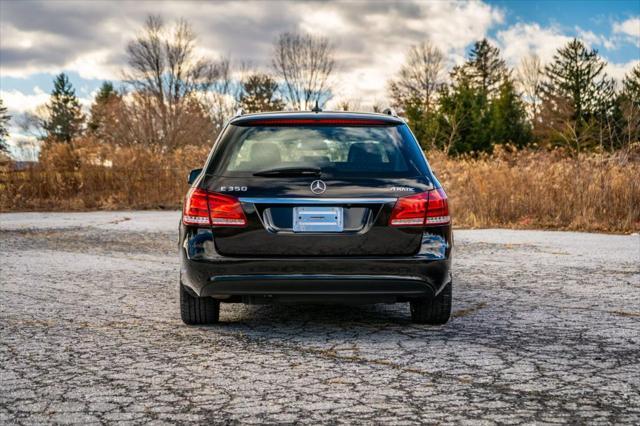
column 27, row 149
column 530, row 76
column 454, row 119
column 169, row 81
column 558, row 126
column 349, row 104
column 31, row 123
column 220, row 101
column 631, row 127
column 419, row 79
column 304, row 64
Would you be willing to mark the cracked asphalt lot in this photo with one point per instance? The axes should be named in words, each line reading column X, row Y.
column 546, row 329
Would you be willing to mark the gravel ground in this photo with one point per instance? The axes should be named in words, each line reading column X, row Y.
column 546, row 329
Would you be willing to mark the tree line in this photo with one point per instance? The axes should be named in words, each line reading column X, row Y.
column 569, row 102
column 171, row 96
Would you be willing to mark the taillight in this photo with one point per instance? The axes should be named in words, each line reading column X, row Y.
column 196, row 209
column 438, row 208
column 208, row 208
column 426, row 208
column 410, row 211
column 225, row 211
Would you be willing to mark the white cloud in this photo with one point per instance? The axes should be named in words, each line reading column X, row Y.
column 324, row 21
column 618, row 71
column 371, row 37
column 523, row 39
column 18, row 102
column 372, row 41
column 592, row 39
column 629, row 28
column 95, row 65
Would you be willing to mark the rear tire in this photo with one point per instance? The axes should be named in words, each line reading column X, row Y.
column 435, row 311
column 198, row 310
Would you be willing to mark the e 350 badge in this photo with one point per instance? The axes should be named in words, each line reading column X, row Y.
column 233, row 188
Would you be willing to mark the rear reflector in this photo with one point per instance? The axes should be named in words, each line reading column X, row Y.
column 208, row 208
column 426, row 208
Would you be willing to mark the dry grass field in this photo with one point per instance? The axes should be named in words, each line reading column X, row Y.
column 544, row 190
column 524, row 189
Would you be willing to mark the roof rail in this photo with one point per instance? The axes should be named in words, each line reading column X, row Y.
column 390, row 111
column 239, row 112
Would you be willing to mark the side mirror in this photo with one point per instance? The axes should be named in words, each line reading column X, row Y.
column 193, row 175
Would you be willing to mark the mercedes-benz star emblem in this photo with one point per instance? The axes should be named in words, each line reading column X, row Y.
column 318, row 187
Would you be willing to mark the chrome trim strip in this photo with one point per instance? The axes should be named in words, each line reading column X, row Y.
column 311, row 277
column 303, row 200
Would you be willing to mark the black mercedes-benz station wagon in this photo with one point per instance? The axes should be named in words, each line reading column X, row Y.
column 319, row 207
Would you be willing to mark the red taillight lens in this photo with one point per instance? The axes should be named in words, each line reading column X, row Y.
column 226, row 211
column 426, row 208
column 438, row 208
column 208, row 208
column 196, row 209
column 410, row 211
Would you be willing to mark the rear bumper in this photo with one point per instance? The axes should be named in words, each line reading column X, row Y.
column 270, row 278
column 352, row 279
column 314, row 284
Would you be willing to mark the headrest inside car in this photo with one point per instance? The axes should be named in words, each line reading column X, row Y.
column 364, row 152
column 265, row 153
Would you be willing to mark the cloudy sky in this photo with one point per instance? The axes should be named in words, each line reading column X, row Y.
column 87, row 39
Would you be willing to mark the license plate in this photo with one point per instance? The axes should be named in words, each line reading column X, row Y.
column 318, row 219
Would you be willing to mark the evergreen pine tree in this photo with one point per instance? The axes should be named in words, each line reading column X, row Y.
column 486, row 68
column 578, row 97
column 482, row 107
column 577, row 74
column 631, row 85
column 100, row 108
column 259, row 94
column 424, row 124
column 628, row 110
column 464, row 122
column 4, row 124
column 65, row 117
column 508, row 117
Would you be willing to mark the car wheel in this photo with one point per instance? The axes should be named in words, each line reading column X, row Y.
column 198, row 310
column 435, row 310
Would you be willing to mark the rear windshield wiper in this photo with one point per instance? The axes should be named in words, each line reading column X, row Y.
column 290, row 171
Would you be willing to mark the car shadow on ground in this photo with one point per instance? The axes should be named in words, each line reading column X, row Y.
column 316, row 314
column 329, row 324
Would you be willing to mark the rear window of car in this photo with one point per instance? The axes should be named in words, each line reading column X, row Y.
column 338, row 151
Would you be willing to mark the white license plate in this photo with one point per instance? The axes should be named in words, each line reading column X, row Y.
column 318, row 219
